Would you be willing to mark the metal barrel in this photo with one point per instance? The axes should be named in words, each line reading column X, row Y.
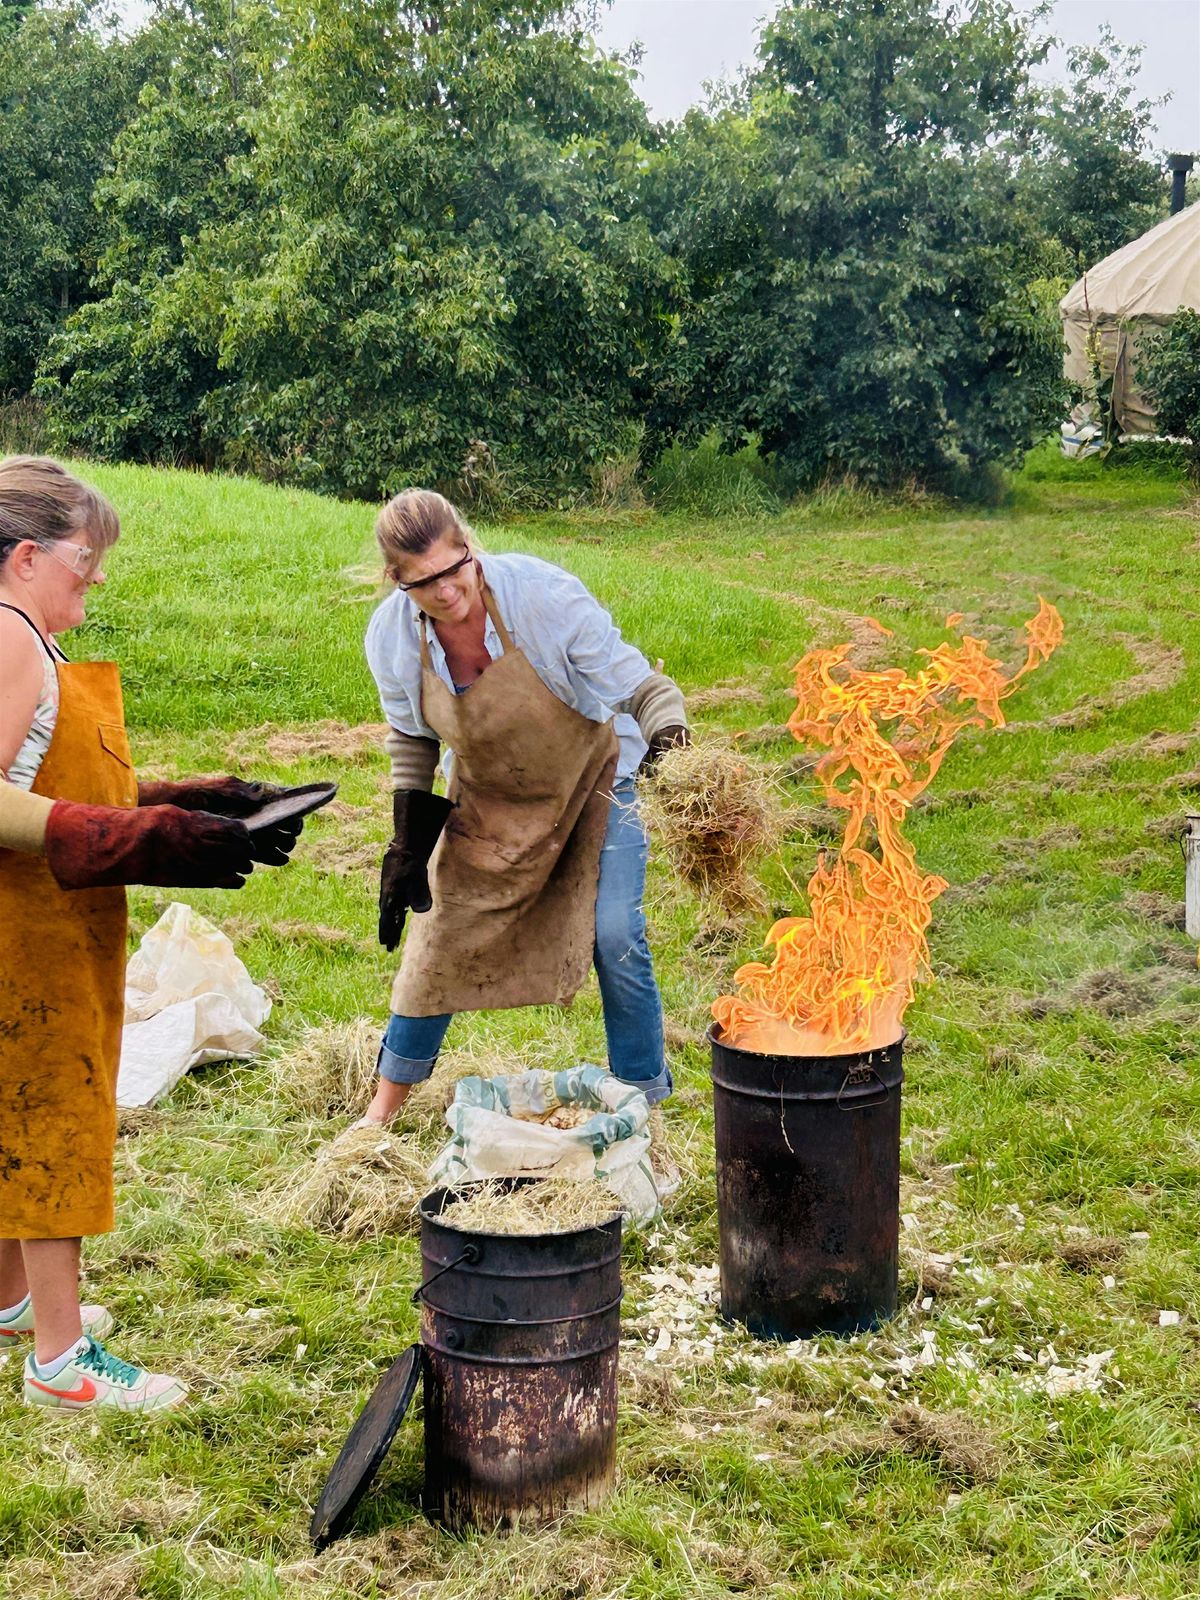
column 521, row 1336
column 808, row 1188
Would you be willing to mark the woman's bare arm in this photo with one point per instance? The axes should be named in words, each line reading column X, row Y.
column 21, row 676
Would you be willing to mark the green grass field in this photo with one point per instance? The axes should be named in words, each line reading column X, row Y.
column 983, row 1444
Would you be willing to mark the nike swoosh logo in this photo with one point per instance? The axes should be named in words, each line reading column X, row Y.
column 85, row 1391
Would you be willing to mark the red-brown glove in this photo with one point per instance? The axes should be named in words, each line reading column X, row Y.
column 95, row 847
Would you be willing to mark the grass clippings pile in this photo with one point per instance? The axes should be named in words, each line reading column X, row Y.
column 714, row 814
column 331, row 1071
column 364, row 1185
column 545, row 1205
column 328, row 739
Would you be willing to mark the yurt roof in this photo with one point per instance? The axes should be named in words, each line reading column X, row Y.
column 1152, row 276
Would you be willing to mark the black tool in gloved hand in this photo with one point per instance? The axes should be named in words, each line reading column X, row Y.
column 418, row 819
column 673, row 737
column 231, row 797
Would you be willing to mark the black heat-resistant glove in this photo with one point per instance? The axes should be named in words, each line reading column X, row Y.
column 418, row 819
column 231, row 797
column 672, row 737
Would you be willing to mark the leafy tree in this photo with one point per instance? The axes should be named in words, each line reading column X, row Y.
column 1089, row 179
column 855, row 259
column 66, row 85
column 438, row 239
column 1169, row 370
column 127, row 376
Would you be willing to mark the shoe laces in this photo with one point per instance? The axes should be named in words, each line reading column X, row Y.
column 109, row 1366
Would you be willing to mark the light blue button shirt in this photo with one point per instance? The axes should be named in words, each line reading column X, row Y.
column 568, row 637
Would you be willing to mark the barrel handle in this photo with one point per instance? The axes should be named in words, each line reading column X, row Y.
column 863, row 1104
column 470, row 1255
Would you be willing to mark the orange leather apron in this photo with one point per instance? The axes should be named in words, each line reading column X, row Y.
column 514, row 875
column 62, row 988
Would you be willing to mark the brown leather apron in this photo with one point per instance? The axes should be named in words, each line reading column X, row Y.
column 514, row 875
column 62, row 988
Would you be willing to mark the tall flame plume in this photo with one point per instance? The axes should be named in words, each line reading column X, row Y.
column 841, row 978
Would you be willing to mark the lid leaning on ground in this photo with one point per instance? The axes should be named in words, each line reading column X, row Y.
column 363, row 1452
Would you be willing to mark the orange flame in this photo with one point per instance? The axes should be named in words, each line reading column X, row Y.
column 841, row 978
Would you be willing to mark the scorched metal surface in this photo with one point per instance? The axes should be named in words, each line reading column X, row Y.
column 520, row 1382
column 808, row 1188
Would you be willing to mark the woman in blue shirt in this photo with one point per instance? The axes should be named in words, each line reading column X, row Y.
column 535, row 865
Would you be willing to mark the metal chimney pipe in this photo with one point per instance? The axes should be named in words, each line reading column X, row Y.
column 1179, row 166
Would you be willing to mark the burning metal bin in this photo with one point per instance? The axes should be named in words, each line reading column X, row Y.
column 518, row 1358
column 808, row 1188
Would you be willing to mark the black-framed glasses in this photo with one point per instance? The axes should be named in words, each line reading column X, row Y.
column 446, row 572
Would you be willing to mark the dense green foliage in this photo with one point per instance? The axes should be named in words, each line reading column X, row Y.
column 66, row 88
column 1088, row 180
column 352, row 246
column 1170, row 373
column 856, row 264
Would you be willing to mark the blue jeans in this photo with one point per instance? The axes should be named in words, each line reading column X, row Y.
column 628, row 991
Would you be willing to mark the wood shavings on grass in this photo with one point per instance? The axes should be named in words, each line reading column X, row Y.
column 678, row 1321
column 545, row 1205
column 715, row 814
column 366, row 1184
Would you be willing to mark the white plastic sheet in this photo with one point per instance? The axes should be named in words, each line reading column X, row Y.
column 188, row 1000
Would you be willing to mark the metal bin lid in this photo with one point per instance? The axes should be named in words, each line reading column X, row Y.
column 363, row 1452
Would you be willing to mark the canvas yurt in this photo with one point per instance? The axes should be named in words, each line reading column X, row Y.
column 1132, row 293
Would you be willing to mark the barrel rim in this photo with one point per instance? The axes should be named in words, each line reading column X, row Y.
column 437, row 1219
column 856, row 1053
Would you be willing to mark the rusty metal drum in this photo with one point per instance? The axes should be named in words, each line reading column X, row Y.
column 521, row 1336
column 808, row 1188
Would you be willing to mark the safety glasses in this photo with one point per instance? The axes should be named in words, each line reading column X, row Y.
column 428, row 583
column 81, row 559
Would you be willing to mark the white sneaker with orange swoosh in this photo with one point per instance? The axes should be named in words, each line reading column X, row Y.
column 96, row 1378
column 96, row 1320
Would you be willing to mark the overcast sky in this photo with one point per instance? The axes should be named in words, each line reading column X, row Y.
column 689, row 41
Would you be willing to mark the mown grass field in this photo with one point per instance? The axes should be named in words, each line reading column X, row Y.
column 981, row 1445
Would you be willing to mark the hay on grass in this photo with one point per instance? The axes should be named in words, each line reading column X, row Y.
column 548, row 1205
column 1088, row 1255
column 715, row 814
column 953, row 1443
column 364, row 1185
column 331, row 1071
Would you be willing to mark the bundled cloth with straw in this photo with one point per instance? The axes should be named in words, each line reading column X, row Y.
column 715, row 814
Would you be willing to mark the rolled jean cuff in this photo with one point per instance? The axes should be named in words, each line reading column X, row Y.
column 402, row 1069
column 655, row 1089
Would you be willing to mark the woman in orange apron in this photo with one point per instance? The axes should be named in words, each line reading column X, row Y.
column 534, row 867
column 75, row 827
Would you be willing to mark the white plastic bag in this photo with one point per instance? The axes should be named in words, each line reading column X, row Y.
column 188, row 1000
column 498, row 1132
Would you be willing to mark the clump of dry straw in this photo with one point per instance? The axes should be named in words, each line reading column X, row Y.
column 547, row 1205
column 715, row 814
column 331, row 1071
column 367, row 1183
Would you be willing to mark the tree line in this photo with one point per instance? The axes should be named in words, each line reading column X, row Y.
column 353, row 244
